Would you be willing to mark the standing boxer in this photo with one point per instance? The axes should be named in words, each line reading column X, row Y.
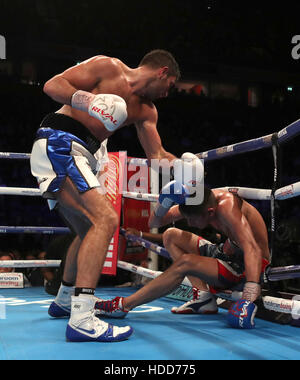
column 98, row 97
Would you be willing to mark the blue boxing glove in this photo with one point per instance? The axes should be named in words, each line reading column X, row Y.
column 241, row 314
column 173, row 192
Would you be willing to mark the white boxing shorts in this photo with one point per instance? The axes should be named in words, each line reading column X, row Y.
column 57, row 154
column 102, row 156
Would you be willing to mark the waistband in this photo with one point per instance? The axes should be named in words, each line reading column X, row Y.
column 66, row 123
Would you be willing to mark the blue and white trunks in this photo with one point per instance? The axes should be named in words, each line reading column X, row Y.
column 57, row 153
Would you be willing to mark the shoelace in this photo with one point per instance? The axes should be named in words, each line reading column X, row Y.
column 88, row 317
column 195, row 297
column 108, row 306
column 195, row 294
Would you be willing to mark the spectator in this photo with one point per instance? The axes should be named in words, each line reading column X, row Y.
column 6, row 256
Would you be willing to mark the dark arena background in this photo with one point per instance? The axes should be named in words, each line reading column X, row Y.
column 240, row 80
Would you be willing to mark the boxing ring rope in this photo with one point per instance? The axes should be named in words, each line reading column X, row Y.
column 30, row 263
column 31, row 192
column 15, row 156
column 284, row 136
column 184, row 291
column 34, row 230
column 263, row 142
column 27, row 156
column 274, row 274
column 259, row 143
column 286, row 192
column 282, row 273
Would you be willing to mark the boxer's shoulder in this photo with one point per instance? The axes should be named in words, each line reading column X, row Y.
column 107, row 66
column 225, row 201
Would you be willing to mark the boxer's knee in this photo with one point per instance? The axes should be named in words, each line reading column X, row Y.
column 186, row 264
column 76, row 220
column 170, row 237
column 106, row 219
column 110, row 221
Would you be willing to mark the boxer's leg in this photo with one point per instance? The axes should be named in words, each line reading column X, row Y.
column 65, row 170
column 70, row 268
column 61, row 307
column 93, row 218
column 202, row 267
column 178, row 243
column 205, row 268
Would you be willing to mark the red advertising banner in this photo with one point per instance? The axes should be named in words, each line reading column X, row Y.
column 135, row 213
column 114, row 185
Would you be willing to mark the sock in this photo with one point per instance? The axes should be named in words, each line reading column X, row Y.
column 67, row 284
column 86, row 291
column 64, row 294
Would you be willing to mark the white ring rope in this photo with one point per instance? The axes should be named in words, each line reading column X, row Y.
column 28, row 192
column 20, row 191
column 141, row 196
column 30, row 263
column 286, row 192
column 183, row 292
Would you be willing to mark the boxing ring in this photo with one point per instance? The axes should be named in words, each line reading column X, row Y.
column 159, row 335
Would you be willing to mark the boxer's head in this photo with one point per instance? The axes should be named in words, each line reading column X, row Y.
column 164, row 73
column 198, row 215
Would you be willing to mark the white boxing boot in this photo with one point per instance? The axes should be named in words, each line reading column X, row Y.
column 84, row 326
column 202, row 303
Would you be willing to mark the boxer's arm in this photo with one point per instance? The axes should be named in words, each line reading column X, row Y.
column 173, row 215
column 150, row 138
column 232, row 218
column 190, row 167
column 81, row 77
column 242, row 313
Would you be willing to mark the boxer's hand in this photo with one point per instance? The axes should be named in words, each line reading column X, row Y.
column 241, row 314
column 173, row 192
column 190, row 170
column 132, row 231
column 110, row 109
column 251, row 291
